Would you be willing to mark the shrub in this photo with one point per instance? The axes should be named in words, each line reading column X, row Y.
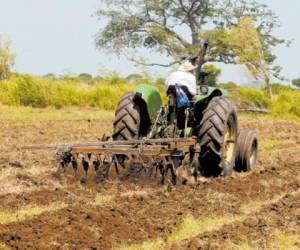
column 249, row 97
column 228, row 86
column 39, row 92
column 287, row 102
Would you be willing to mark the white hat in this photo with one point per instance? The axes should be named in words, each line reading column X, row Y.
column 187, row 67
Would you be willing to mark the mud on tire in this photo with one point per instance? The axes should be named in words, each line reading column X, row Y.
column 217, row 137
column 127, row 119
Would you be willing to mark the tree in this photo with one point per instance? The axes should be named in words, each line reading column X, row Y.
column 177, row 28
column 85, row 76
column 246, row 42
column 50, row 76
column 296, row 82
column 7, row 59
column 213, row 74
column 133, row 78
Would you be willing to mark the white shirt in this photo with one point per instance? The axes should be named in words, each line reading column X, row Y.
column 183, row 79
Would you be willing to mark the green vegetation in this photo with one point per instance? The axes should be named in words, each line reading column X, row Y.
column 40, row 92
column 102, row 94
column 285, row 104
column 296, row 82
column 214, row 74
column 7, row 59
column 242, row 34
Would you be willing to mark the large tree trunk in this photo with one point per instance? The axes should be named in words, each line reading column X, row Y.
column 195, row 32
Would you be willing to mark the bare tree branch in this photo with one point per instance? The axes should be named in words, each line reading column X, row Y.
column 140, row 62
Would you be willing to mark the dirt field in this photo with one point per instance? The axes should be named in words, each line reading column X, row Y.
column 38, row 210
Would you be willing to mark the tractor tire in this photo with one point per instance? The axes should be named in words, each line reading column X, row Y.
column 218, row 137
column 247, row 149
column 127, row 119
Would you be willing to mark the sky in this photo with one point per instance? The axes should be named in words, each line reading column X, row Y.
column 55, row 36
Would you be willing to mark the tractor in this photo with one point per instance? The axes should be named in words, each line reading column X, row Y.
column 211, row 118
column 187, row 141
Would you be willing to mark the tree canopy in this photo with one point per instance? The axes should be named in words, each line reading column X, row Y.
column 296, row 82
column 213, row 76
column 177, row 28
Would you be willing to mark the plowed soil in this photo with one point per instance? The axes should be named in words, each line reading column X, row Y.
column 260, row 209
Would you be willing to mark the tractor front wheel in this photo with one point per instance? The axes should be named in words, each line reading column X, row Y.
column 247, row 148
column 218, row 137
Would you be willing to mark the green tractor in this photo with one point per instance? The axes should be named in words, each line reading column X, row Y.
column 211, row 119
column 181, row 141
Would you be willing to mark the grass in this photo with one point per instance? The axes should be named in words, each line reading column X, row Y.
column 105, row 93
column 101, row 199
column 26, row 90
column 138, row 193
column 254, row 206
column 28, row 114
column 191, row 226
column 157, row 244
column 284, row 240
column 41, row 92
column 280, row 241
column 3, row 247
column 241, row 246
column 267, row 145
column 29, row 212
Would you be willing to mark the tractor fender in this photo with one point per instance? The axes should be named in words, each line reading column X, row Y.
column 148, row 100
column 149, row 97
column 212, row 92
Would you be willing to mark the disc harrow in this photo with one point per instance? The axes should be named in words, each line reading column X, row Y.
column 170, row 158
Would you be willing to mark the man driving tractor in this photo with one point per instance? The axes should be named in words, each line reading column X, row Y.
column 185, row 78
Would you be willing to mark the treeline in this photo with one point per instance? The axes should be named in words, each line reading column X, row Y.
column 105, row 92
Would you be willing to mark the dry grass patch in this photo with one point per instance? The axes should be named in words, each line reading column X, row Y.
column 283, row 240
column 267, row 145
column 218, row 197
column 139, row 193
column 157, row 244
column 28, row 114
column 241, row 246
column 254, row 206
column 29, row 212
column 3, row 247
column 102, row 199
column 191, row 226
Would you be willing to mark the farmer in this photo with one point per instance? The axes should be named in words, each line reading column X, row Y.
column 181, row 88
column 184, row 78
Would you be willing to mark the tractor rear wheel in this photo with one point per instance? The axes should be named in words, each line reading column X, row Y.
column 127, row 119
column 218, row 137
column 247, row 147
column 125, row 127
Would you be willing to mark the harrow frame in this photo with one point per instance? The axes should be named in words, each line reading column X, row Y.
column 166, row 154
